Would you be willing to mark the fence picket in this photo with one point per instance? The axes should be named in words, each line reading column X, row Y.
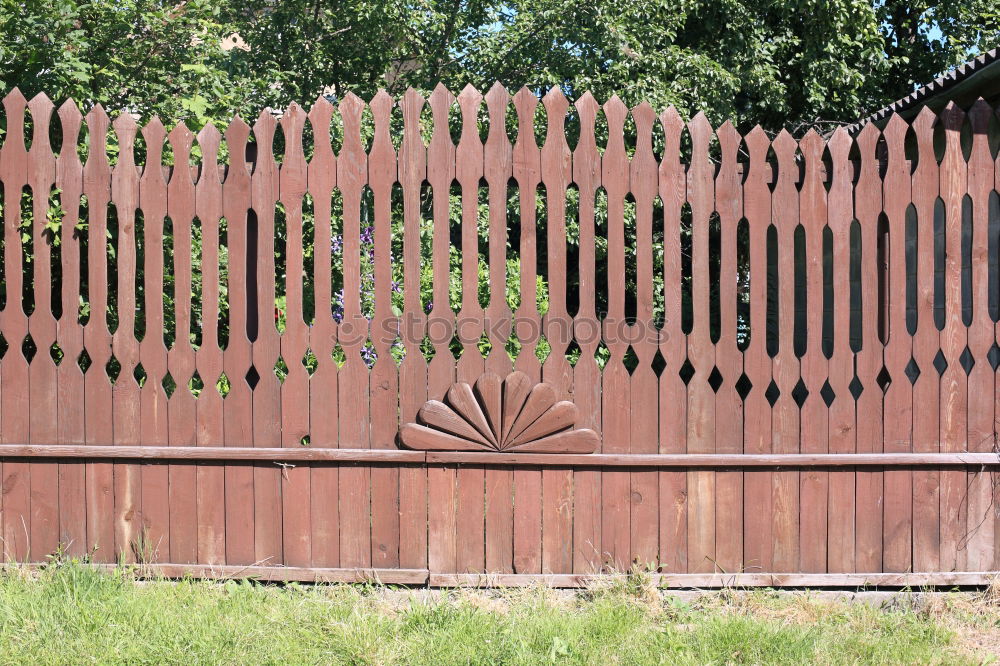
column 43, row 426
column 926, row 388
column 728, row 358
column 814, row 431
column 69, row 337
column 672, row 391
column 211, row 479
column 898, row 400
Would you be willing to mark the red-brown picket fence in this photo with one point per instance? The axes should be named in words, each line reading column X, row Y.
column 762, row 361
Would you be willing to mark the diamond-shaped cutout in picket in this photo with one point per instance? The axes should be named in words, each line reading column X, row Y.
column 883, row 379
column 912, row 370
column 993, row 356
column 139, row 374
column 252, row 377
column 310, row 362
column 715, row 379
column 281, row 370
column 56, row 353
column 223, row 385
column 686, row 372
column 967, row 360
column 83, row 361
column 800, row 392
column 29, row 348
column 940, row 362
column 114, row 368
column 826, row 392
column 196, row 384
column 168, row 384
column 772, row 393
column 743, row 386
column 856, row 387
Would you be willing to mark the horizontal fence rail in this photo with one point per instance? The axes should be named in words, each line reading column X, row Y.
column 501, row 339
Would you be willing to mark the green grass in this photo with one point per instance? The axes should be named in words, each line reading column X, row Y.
column 70, row 614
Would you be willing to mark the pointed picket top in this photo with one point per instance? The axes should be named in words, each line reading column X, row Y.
column 952, row 116
column 643, row 161
column 812, row 146
column 41, row 108
column 979, row 116
column 615, row 111
column 441, row 100
column 70, row 118
column 555, row 102
column 867, row 138
column 895, row 129
column 469, row 155
column 155, row 134
column 555, row 152
column 381, row 103
column 784, row 145
column 263, row 132
column 292, row 174
column 469, row 96
column 237, row 135
column 729, row 138
column 699, row 128
column 526, row 104
column 497, row 100
column 96, row 167
column 497, row 151
column 412, row 151
column 469, row 101
column 672, row 124
column 321, row 113
column 382, row 162
column 14, row 106
column 441, row 150
column 412, row 102
column 126, row 128
column 923, row 123
column 209, row 139
column 644, row 115
column 181, row 136
column 181, row 139
column 586, row 105
column 757, row 144
column 497, row 95
column 811, row 143
column 351, row 108
column 70, row 114
column 701, row 134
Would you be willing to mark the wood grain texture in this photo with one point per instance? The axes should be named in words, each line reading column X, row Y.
column 42, row 426
column 898, row 401
column 587, row 538
column 926, row 389
column 69, row 336
column 728, row 357
column 182, row 406
column 954, row 399
column 672, row 391
column 981, row 529
column 758, row 504
column 814, row 415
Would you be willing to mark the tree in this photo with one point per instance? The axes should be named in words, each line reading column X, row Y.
column 785, row 63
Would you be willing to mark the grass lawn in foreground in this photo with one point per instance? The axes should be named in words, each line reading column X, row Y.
column 71, row 614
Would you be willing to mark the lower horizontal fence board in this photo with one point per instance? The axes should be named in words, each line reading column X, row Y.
column 274, row 574
column 402, row 456
column 708, row 580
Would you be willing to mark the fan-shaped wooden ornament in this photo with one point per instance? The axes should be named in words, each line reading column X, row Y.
column 512, row 415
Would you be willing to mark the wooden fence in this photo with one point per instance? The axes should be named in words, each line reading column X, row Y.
column 406, row 340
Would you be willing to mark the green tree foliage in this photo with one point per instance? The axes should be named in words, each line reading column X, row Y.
column 779, row 63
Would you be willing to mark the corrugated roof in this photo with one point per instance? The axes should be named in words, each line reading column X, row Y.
column 979, row 77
